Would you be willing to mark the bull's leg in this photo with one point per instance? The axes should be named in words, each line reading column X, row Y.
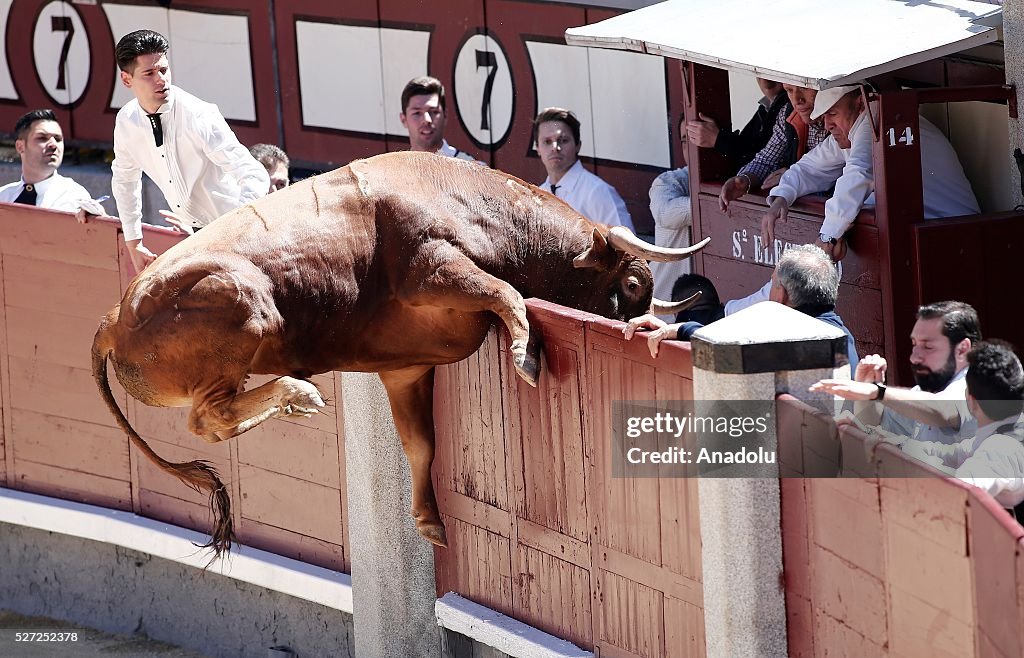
column 460, row 284
column 220, row 415
column 411, row 393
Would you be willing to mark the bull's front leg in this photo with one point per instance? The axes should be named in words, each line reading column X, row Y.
column 411, row 393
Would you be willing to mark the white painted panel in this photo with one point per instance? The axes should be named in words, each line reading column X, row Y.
column 980, row 133
column 743, row 97
column 7, row 90
column 405, row 58
column 340, row 76
column 128, row 18
column 630, row 107
column 562, row 76
column 197, row 39
column 210, row 58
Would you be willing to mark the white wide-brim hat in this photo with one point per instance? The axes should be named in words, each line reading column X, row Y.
column 826, row 98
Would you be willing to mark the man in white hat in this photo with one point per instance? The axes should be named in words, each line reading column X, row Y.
column 844, row 158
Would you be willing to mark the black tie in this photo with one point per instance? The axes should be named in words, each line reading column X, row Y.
column 554, row 189
column 158, row 129
column 27, row 196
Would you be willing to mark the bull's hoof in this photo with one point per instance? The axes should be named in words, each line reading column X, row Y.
column 433, row 531
column 301, row 398
column 528, row 367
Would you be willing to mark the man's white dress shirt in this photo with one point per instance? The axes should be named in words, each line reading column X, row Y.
column 450, row 151
column 992, row 460
column 55, row 193
column 591, row 197
column 947, row 193
column 954, row 394
column 201, row 168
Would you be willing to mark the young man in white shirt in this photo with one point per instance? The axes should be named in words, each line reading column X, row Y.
column 557, row 132
column 39, row 142
column 424, row 114
column 181, row 142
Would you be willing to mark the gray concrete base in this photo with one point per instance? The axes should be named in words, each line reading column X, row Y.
column 119, row 590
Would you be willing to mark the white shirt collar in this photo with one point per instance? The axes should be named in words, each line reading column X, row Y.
column 42, row 185
column 447, row 149
column 569, row 180
column 166, row 107
column 986, row 431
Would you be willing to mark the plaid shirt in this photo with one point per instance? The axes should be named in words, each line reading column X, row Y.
column 774, row 155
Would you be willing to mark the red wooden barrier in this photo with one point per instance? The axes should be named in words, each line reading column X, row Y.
column 287, row 478
column 903, row 560
column 539, row 528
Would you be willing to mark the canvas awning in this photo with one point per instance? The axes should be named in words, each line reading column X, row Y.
column 811, row 43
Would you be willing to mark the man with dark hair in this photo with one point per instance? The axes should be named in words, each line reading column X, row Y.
column 39, row 141
column 935, row 409
column 805, row 280
column 181, row 142
column 708, row 307
column 557, row 135
column 425, row 115
column 992, row 459
column 275, row 161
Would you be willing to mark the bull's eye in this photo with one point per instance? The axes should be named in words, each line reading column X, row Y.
column 633, row 286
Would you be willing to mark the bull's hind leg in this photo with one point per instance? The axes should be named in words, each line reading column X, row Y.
column 411, row 393
column 221, row 415
column 444, row 276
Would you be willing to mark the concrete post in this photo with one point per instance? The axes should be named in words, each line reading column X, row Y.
column 393, row 590
column 752, row 355
column 1013, row 52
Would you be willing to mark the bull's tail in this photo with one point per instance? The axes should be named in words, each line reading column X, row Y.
column 198, row 474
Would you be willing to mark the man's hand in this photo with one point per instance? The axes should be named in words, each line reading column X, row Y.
column 871, row 369
column 835, row 251
column 846, row 389
column 778, row 209
column 772, row 179
column 180, row 224
column 140, row 255
column 732, row 189
column 703, row 132
column 82, row 217
column 660, row 331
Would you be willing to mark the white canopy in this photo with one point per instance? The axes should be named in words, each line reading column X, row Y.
column 811, row 43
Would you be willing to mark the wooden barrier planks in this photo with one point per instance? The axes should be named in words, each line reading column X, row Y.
column 611, row 564
column 57, row 278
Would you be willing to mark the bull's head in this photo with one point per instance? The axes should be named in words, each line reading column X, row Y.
column 622, row 287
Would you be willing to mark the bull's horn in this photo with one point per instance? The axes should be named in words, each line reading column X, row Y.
column 658, row 307
column 623, row 239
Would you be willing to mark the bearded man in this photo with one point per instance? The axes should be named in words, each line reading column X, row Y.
column 936, row 409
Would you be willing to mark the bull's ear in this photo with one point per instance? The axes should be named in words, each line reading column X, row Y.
column 599, row 255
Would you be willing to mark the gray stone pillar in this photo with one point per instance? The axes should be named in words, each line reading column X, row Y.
column 1013, row 51
column 752, row 355
column 393, row 591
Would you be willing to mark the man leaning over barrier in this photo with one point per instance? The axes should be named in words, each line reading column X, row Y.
column 845, row 159
column 805, row 280
column 935, row 409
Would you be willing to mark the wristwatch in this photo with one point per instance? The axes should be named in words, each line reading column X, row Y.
column 827, row 239
column 881, row 391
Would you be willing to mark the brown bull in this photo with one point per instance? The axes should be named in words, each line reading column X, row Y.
column 393, row 265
